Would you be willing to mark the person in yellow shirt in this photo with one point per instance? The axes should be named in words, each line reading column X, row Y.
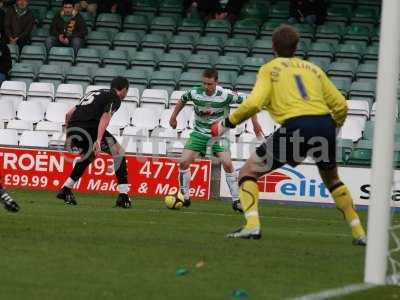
column 300, row 96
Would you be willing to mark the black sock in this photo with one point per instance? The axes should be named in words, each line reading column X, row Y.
column 120, row 169
column 80, row 168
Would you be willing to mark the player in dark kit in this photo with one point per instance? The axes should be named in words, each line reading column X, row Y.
column 5, row 198
column 86, row 130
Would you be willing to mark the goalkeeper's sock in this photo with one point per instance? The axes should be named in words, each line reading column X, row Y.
column 80, row 168
column 344, row 203
column 249, row 200
column 184, row 182
column 232, row 182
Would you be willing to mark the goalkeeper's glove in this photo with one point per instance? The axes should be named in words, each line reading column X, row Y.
column 220, row 127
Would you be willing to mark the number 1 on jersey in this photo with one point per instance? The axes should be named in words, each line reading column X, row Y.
column 301, row 87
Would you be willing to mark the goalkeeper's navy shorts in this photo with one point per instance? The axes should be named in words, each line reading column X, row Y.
column 301, row 137
column 84, row 138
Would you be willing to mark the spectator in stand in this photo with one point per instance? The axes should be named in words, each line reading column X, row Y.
column 5, row 61
column 122, row 7
column 311, row 12
column 67, row 29
column 2, row 15
column 18, row 24
column 232, row 10
column 89, row 6
column 204, row 9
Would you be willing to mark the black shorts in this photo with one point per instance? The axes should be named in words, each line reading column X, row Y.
column 84, row 139
column 312, row 136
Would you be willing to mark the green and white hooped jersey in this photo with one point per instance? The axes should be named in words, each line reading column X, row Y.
column 208, row 109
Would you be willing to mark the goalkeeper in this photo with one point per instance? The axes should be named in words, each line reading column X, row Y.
column 298, row 95
column 211, row 103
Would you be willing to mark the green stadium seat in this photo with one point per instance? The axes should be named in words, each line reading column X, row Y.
column 137, row 78
column 181, row 44
column 108, row 21
column 361, row 154
column 172, row 62
column 321, row 62
column 190, row 26
column 79, row 75
column 39, row 3
column 154, row 42
column 88, row 57
column 321, row 49
column 368, row 133
column 338, row 13
column 23, row 72
column 344, row 149
column 220, row 28
column 226, row 79
column 356, row 33
column 252, row 64
column 371, row 54
column 245, row 28
column 115, row 58
column 166, row 80
column 33, row 54
column 365, row 14
column 342, row 69
column 268, row 28
column 136, row 23
column 329, row 33
column 89, row 19
column 170, row 7
column 302, row 49
column 51, row 73
column 126, row 40
column 363, row 89
column 39, row 35
column 163, row 25
column 245, row 83
column 209, row 45
column 367, row 72
column 237, row 46
column 189, row 79
column 99, row 39
column 257, row 11
column 39, row 13
column 50, row 14
column 228, row 63
column 262, row 48
column 198, row 62
column 375, row 34
column 56, row 4
column 306, row 31
column 14, row 51
column 349, row 52
column 145, row 6
column 146, row 60
column 342, row 84
column 103, row 76
column 61, row 55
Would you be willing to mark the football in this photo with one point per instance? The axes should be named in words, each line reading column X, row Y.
column 174, row 201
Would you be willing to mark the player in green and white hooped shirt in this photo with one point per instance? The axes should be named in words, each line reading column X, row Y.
column 211, row 103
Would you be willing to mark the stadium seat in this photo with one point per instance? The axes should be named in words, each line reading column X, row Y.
column 164, row 80
column 371, row 54
column 189, row 79
column 257, row 11
column 89, row 19
column 217, row 27
column 7, row 110
column 136, row 23
column 349, row 53
column 268, row 28
column 170, row 7
column 108, row 22
column 165, row 134
column 14, row 51
column 69, row 91
column 8, row 137
column 321, row 50
column 131, row 146
column 145, row 6
column 13, row 91
column 181, row 44
column 344, row 147
column 136, row 133
column 156, row 43
column 358, row 108
column 338, row 13
column 88, row 57
column 237, row 47
column 165, row 117
column 245, row 28
column 78, row 74
column 146, row 118
column 103, row 76
column 51, row 128
column 39, row 35
column 42, row 92
column 228, row 63
column 343, row 85
column 50, row 14
column 226, row 79
column 23, row 72
column 115, row 58
column 34, row 139
column 279, row 11
column 20, row 125
column 56, row 112
column 30, row 111
column 138, row 78
column 126, row 40
column 145, row 60
column 251, row 65
column 187, row 110
column 99, row 40
column 262, row 48
column 152, row 147
column 352, row 128
column 357, row 33
column 361, row 154
column 245, row 83
column 362, row 89
column 172, row 62
column 329, row 33
column 365, row 14
column 163, row 25
column 156, row 99
column 198, row 62
column 306, row 31
column 342, row 69
column 51, row 73
column 209, row 45
column 121, row 118
column 367, row 72
column 190, row 26
column 33, row 54
column 132, row 99
column 61, row 55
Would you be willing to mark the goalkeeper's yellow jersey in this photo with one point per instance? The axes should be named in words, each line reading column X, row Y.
column 292, row 87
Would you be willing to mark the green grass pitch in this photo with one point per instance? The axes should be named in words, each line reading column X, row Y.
column 94, row 251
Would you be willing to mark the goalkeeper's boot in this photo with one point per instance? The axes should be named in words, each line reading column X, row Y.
column 361, row 241
column 9, row 203
column 67, row 195
column 236, row 206
column 244, row 233
column 187, row 202
column 123, row 201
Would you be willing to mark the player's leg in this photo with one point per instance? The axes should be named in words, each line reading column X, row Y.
column 188, row 156
column 9, row 203
column 112, row 147
column 231, row 178
column 344, row 202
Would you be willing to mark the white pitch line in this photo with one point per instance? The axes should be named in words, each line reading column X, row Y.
column 348, row 289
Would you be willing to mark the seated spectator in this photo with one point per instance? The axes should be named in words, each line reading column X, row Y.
column 68, row 28
column 89, row 6
column 18, row 24
column 5, row 61
column 122, row 7
column 307, row 11
column 204, row 9
column 232, row 10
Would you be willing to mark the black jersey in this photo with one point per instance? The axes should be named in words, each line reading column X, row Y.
column 92, row 106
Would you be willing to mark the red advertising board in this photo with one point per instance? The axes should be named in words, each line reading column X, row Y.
column 148, row 176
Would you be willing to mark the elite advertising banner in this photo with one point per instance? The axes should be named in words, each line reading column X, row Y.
column 148, row 176
column 303, row 184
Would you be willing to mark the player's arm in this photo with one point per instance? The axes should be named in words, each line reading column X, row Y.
column 258, row 98
column 69, row 115
column 103, row 124
column 178, row 107
column 335, row 101
column 257, row 128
